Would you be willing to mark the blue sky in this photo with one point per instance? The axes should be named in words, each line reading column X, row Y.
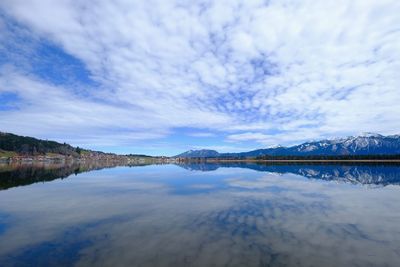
column 162, row 77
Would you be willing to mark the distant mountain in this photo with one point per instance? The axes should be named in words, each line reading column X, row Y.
column 203, row 153
column 365, row 144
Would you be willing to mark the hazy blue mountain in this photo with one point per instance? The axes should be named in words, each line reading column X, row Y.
column 365, row 144
column 203, row 153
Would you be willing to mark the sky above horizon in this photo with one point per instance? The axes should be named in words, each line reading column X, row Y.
column 162, row 77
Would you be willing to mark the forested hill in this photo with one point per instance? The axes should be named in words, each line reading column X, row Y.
column 32, row 146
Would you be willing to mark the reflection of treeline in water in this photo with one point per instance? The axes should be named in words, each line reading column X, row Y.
column 290, row 159
column 329, row 157
column 12, row 175
column 359, row 173
column 293, row 157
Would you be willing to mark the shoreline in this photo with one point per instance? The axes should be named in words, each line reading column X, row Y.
column 62, row 159
column 121, row 160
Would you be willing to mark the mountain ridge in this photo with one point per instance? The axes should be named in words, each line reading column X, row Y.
column 363, row 144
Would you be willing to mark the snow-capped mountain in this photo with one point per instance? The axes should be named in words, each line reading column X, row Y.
column 364, row 144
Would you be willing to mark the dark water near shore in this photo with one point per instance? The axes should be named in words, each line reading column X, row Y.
column 200, row 215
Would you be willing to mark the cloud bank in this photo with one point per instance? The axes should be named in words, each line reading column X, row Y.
column 250, row 72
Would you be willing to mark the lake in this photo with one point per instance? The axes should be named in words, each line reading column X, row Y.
column 234, row 214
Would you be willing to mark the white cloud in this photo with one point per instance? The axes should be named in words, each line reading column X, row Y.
column 202, row 134
column 298, row 69
column 248, row 136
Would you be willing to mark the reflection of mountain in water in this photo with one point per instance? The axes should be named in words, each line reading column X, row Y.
column 205, row 167
column 12, row 175
column 378, row 174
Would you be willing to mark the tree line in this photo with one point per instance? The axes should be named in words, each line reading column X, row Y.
column 330, row 157
column 32, row 146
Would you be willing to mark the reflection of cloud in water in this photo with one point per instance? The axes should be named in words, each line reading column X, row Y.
column 138, row 222
column 202, row 186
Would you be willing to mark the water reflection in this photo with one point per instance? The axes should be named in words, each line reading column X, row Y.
column 169, row 216
column 18, row 174
column 356, row 173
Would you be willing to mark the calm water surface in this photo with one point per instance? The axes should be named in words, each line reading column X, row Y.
column 200, row 215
